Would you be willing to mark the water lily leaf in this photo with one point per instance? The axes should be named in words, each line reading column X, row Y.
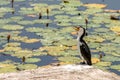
column 103, row 64
column 116, row 40
column 38, row 52
column 91, row 11
column 54, row 50
column 26, row 11
column 27, row 66
column 12, row 48
column 42, row 21
column 110, row 58
column 25, row 39
column 93, row 45
column 16, row 18
column 115, row 29
column 12, row 44
column 4, row 21
column 68, row 42
column 117, row 67
column 95, row 5
column 12, row 27
column 6, row 9
column 92, row 38
column 107, row 47
column 101, row 30
column 21, row 53
column 69, row 59
column 25, row 22
column 32, row 60
column 31, row 40
column 7, row 68
column 4, row 2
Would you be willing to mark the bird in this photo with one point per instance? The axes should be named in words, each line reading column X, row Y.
column 83, row 48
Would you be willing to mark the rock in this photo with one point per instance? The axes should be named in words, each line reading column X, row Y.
column 65, row 72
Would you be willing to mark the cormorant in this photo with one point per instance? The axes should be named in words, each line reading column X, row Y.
column 83, row 48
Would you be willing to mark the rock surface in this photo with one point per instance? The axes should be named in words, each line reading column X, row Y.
column 65, row 72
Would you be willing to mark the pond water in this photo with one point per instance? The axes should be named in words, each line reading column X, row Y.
column 50, row 39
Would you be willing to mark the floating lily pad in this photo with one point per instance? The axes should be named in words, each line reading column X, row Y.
column 6, row 9
column 27, row 66
column 4, row 2
column 110, row 58
column 103, row 64
column 7, row 68
column 69, row 59
column 54, row 50
column 12, row 27
column 26, row 11
column 13, row 44
column 21, row 53
column 115, row 29
column 117, row 67
column 12, row 49
column 25, row 22
column 32, row 60
column 25, row 39
column 92, row 38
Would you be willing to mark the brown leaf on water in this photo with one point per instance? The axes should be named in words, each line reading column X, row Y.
column 113, row 11
column 31, row 15
column 95, row 5
column 74, row 47
column 2, row 50
column 95, row 60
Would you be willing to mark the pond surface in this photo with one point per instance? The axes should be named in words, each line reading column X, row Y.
column 41, row 32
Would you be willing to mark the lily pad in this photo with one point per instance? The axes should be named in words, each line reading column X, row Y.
column 27, row 66
column 21, row 53
column 117, row 67
column 92, row 38
column 110, row 58
column 115, row 29
column 69, row 59
column 32, row 60
column 103, row 64
column 54, row 50
column 7, row 68
column 12, row 27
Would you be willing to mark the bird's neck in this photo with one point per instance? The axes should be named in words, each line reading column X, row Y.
column 80, row 38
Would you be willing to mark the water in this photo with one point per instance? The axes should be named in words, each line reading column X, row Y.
column 45, row 60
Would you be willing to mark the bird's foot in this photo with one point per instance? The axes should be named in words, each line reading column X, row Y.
column 82, row 62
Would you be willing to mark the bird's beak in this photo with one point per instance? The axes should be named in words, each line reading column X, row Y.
column 76, row 28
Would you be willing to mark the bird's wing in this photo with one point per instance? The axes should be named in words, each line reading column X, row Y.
column 85, row 51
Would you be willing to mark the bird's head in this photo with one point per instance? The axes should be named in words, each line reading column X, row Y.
column 80, row 30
